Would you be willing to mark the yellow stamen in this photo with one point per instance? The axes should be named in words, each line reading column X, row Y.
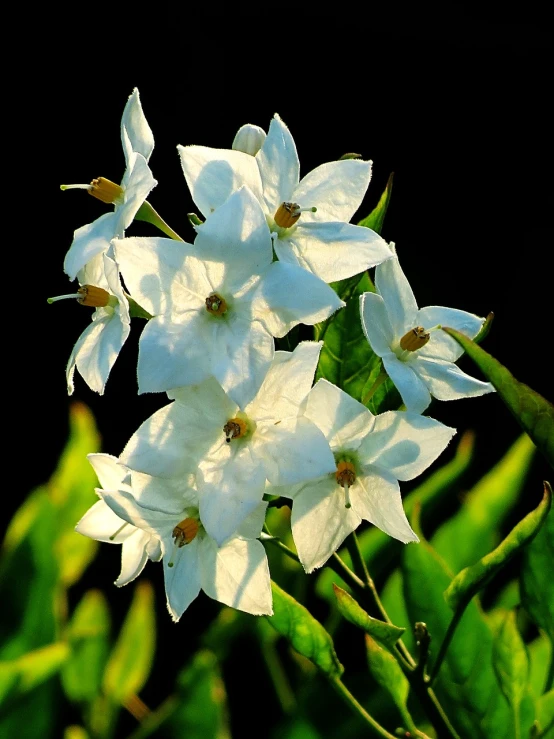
column 414, row 339
column 95, row 297
column 287, row 214
column 105, row 190
column 216, row 305
column 346, row 477
column 186, row 531
column 234, row 429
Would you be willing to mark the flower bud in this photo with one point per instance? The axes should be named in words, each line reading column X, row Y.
column 249, row 139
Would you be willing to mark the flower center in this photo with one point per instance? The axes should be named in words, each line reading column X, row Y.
column 100, row 188
column 186, row 531
column 287, row 214
column 414, row 339
column 346, row 477
column 235, row 428
column 216, row 305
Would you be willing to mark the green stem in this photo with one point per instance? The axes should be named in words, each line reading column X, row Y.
column 379, row 380
column 348, row 698
column 147, row 213
column 446, row 641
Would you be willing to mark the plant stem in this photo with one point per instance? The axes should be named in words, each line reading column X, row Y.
column 348, row 698
column 446, row 641
column 379, row 380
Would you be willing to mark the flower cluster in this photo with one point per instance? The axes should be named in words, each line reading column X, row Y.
column 246, row 422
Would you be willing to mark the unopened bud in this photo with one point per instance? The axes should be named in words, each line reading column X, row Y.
column 249, row 139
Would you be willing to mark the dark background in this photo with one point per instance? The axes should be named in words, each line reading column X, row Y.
column 455, row 103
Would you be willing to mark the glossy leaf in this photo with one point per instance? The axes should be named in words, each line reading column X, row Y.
column 304, row 632
column 475, row 529
column 466, row 684
column 131, row 660
column 88, row 634
column 511, row 665
column 537, row 581
column 386, row 634
column 376, row 218
column 534, row 413
column 472, row 579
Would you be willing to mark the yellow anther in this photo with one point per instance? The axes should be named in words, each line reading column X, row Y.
column 287, row 214
column 105, row 190
column 345, row 474
column 234, row 429
column 95, row 297
column 216, row 305
column 414, row 339
column 186, row 531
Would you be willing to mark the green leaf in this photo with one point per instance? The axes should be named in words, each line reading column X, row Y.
column 88, row 633
column 475, row 529
column 386, row 634
column 466, row 684
column 348, row 361
column 537, row 583
column 131, row 660
column 147, row 213
column 376, row 218
column 387, row 673
column 544, row 712
column 534, row 413
column 511, row 665
column 540, row 656
column 305, row 634
column 27, row 672
column 71, row 489
column 471, row 580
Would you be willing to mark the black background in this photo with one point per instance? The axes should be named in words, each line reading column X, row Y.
column 455, row 103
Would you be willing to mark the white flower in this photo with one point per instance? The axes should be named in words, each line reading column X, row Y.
column 84, row 256
column 102, row 524
column 249, row 139
column 236, row 573
column 218, row 304
column 99, row 345
column 371, row 454
column 308, row 218
column 418, row 357
column 232, row 450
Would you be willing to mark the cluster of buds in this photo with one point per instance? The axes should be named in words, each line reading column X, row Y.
column 245, row 421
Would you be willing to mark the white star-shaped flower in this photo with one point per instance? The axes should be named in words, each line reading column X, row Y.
column 99, row 345
column 308, row 218
column 83, row 260
column 235, row 573
column 102, row 524
column 231, row 450
column 218, row 304
column 418, row 357
column 371, row 454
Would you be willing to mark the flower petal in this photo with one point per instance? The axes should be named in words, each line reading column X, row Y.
column 293, row 451
column 169, row 495
column 96, row 350
column 102, row 524
column 404, row 444
column 214, row 174
column 413, row 390
column 447, row 382
column 137, row 183
column 343, row 421
column 286, row 384
column 109, row 470
column 231, row 486
column 136, row 134
column 238, row 235
column 182, row 580
column 172, row 441
column 333, row 250
column 279, row 165
column 155, row 523
column 336, row 189
column 288, row 295
column 376, row 323
column 376, row 497
column 133, row 557
column 88, row 241
column 440, row 345
column 237, row 574
column 394, row 288
column 320, row 521
column 252, row 525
